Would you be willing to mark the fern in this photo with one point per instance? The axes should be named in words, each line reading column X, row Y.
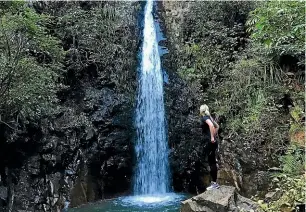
column 293, row 161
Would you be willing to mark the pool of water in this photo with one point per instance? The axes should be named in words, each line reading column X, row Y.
column 160, row 203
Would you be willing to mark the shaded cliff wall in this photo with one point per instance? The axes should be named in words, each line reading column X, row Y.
column 84, row 151
column 205, row 41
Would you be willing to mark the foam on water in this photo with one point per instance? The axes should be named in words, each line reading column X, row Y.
column 154, row 201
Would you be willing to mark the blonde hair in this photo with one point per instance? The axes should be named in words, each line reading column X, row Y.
column 204, row 110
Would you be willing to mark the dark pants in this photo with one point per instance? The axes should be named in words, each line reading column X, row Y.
column 212, row 159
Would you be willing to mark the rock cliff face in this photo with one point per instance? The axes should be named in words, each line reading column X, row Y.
column 242, row 165
column 84, row 151
column 184, row 134
column 189, row 171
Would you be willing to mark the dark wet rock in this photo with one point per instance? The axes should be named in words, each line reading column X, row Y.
column 90, row 133
column 84, row 151
column 81, row 156
column 3, row 196
column 224, row 199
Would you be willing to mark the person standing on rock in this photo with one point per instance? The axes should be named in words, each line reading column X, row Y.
column 210, row 129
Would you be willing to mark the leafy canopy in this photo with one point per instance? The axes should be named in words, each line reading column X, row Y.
column 280, row 26
column 29, row 63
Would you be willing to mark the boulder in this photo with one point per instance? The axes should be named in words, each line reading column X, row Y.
column 223, row 199
column 273, row 195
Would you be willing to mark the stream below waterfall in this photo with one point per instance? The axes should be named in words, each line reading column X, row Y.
column 169, row 202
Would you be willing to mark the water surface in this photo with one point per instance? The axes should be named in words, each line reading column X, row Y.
column 169, row 202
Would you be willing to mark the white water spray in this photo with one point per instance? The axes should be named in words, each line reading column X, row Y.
column 152, row 169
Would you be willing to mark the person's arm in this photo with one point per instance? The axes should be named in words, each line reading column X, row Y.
column 216, row 125
column 211, row 129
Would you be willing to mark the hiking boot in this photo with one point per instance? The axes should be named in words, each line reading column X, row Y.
column 212, row 186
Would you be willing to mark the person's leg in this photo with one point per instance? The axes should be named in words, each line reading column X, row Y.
column 214, row 172
column 212, row 160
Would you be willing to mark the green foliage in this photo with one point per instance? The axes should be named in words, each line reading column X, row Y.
column 280, row 27
column 290, row 183
column 297, row 113
column 240, row 78
column 102, row 39
column 293, row 194
column 293, row 161
column 213, row 41
column 297, row 128
column 29, row 63
column 215, row 65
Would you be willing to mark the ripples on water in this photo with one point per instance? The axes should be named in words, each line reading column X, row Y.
column 169, row 202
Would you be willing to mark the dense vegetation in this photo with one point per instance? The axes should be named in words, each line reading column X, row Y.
column 244, row 59
column 248, row 64
column 239, row 75
column 41, row 46
column 288, row 185
column 30, row 65
column 60, row 62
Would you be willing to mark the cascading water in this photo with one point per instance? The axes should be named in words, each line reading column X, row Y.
column 151, row 180
column 152, row 169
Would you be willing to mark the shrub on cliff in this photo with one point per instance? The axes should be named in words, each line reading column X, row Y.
column 247, row 75
column 289, row 185
column 100, row 39
column 242, row 77
column 280, row 26
column 29, row 64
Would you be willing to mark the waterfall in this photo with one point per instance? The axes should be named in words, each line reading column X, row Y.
column 152, row 167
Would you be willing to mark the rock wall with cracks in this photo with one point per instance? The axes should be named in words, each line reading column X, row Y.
column 242, row 165
column 181, row 102
column 84, row 151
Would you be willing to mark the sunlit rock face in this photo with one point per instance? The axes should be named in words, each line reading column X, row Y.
column 223, row 199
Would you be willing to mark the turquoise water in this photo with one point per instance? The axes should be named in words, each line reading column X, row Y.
column 166, row 203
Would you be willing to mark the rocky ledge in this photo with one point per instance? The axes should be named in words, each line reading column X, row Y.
column 224, row 199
